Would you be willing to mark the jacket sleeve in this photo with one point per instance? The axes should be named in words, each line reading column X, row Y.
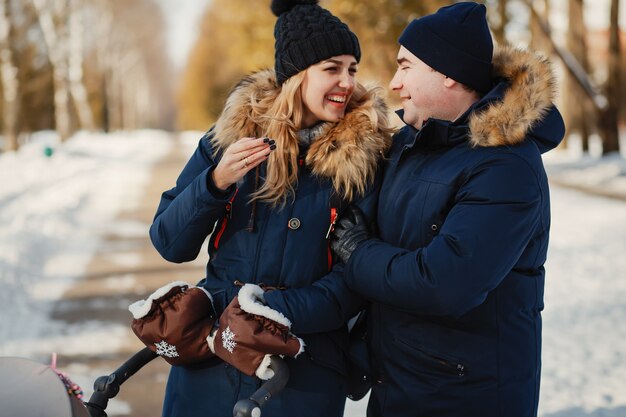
column 187, row 213
column 328, row 303
column 495, row 213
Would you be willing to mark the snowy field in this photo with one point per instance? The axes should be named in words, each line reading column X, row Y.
column 52, row 219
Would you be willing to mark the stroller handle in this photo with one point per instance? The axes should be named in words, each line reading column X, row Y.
column 135, row 363
column 107, row 386
column 251, row 407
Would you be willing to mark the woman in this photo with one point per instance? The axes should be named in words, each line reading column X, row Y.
column 291, row 149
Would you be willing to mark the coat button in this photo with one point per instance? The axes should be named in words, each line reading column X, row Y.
column 434, row 227
column 294, row 223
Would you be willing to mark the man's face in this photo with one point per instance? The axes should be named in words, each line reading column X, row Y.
column 420, row 87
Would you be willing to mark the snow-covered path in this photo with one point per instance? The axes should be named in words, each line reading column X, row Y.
column 584, row 357
column 54, row 212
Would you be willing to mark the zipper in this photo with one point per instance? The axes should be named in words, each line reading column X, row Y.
column 227, row 216
column 333, row 219
column 448, row 365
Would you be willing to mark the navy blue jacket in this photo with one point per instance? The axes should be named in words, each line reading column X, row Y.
column 456, row 274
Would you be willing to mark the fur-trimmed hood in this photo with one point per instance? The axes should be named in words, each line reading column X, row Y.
column 347, row 152
column 506, row 118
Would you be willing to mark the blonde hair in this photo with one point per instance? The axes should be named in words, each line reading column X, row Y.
column 282, row 120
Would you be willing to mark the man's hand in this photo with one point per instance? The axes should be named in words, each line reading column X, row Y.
column 349, row 232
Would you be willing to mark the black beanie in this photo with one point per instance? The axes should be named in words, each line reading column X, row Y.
column 306, row 34
column 456, row 42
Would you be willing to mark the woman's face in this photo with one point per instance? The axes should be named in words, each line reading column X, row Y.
column 327, row 88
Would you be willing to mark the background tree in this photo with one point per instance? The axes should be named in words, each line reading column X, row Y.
column 8, row 75
column 75, row 60
column 115, row 75
column 130, row 76
column 608, row 118
column 539, row 22
column 577, row 110
column 52, row 18
column 606, row 102
column 500, row 19
column 231, row 44
column 33, row 106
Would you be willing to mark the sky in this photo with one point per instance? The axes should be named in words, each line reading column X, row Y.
column 183, row 17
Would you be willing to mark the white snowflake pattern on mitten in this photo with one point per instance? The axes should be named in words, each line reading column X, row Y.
column 165, row 349
column 228, row 340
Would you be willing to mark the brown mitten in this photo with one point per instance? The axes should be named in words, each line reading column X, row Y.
column 250, row 332
column 175, row 322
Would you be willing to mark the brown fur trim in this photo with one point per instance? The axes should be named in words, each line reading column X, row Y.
column 525, row 103
column 347, row 152
column 239, row 119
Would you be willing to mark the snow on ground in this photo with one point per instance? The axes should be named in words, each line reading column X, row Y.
column 584, row 349
column 603, row 176
column 51, row 219
column 52, row 210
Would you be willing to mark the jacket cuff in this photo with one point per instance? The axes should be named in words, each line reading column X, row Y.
column 214, row 190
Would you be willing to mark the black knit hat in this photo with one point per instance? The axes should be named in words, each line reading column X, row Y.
column 306, row 34
column 454, row 41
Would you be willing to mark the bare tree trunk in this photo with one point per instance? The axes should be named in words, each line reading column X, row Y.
column 116, row 102
column 57, row 53
column 591, row 89
column 141, row 100
column 606, row 105
column 75, row 61
column 577, row 106
column 608, row 119
column 125, row 66
column 10, row 82
column 538, row 38
column 104, row 51
column 500, row 30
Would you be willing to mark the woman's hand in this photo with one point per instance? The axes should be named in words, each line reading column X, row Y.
column 239, row 158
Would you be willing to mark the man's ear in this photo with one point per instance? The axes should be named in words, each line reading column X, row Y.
column 449, row 82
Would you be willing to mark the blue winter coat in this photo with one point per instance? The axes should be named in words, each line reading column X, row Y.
column 281, row 247
column 456, row 275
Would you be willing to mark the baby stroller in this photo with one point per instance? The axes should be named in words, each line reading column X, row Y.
column 45, row 395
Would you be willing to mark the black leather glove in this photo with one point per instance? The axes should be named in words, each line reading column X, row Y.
column 349, row 232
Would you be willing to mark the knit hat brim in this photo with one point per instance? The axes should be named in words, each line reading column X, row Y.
column 299, row 56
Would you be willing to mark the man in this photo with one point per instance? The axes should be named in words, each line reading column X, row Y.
column 455, row 273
